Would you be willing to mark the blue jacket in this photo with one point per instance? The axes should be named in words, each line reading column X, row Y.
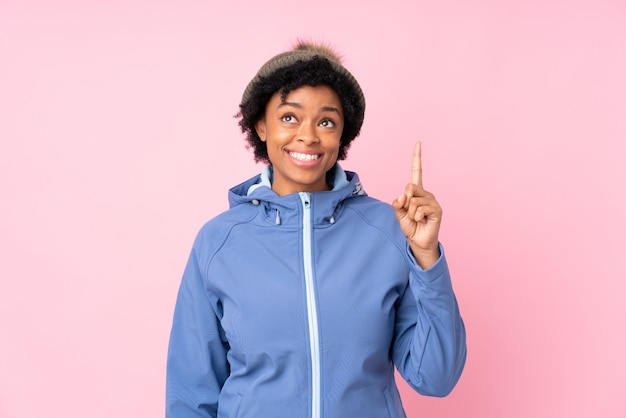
column 300, row 305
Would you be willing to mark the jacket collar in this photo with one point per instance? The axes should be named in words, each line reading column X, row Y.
column 285, row 210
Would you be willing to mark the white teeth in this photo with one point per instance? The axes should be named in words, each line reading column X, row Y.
column 304, row 157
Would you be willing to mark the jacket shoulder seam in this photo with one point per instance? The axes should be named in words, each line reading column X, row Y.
column 383, row 231
column 219, row 244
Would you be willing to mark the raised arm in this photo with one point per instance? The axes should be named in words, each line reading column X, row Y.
column 429, row 344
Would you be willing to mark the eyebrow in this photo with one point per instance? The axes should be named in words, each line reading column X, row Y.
column 299, row 106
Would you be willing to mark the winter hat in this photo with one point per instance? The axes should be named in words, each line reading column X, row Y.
column 303, row 52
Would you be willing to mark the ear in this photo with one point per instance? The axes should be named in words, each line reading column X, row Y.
column 261, row 128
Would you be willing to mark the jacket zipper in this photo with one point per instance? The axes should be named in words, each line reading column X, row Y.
column 311, row 306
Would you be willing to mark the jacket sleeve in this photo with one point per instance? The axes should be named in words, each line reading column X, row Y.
column 196, row 364
column 429, row 347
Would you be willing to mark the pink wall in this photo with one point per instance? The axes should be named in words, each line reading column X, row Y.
column 117, row 142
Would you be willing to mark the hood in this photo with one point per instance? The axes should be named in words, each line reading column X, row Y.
column 283, row 210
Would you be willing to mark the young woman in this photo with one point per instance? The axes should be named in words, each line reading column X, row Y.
column 298, row 300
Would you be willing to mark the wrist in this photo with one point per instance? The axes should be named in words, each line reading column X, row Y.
column 426, row 257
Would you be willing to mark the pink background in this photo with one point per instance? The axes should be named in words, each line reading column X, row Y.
column 118, row 142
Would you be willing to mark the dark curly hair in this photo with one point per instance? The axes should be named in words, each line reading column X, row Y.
column 313, row 72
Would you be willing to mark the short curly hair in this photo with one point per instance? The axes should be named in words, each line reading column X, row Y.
column 315, row 71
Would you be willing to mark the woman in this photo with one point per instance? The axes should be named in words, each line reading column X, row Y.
column 299, row 300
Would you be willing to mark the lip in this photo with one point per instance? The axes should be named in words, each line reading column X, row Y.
column 304, row 163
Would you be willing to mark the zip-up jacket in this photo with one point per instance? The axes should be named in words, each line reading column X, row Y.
column 298, row 306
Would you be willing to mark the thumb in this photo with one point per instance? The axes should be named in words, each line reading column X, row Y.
column 398, row 204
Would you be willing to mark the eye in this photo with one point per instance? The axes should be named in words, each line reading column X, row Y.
column 288, row 118
column 327, row 123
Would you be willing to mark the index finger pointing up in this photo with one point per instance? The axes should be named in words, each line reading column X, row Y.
column 416, row 165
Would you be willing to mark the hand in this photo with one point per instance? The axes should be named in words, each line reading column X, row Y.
column 419, row 215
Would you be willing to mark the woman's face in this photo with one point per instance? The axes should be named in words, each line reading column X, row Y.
column 303, row 135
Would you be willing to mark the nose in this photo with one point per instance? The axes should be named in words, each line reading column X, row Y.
column 307, row 133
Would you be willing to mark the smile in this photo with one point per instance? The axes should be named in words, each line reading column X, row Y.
column 304, row 157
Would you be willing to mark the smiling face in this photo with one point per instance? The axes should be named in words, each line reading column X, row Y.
column 302, row 134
